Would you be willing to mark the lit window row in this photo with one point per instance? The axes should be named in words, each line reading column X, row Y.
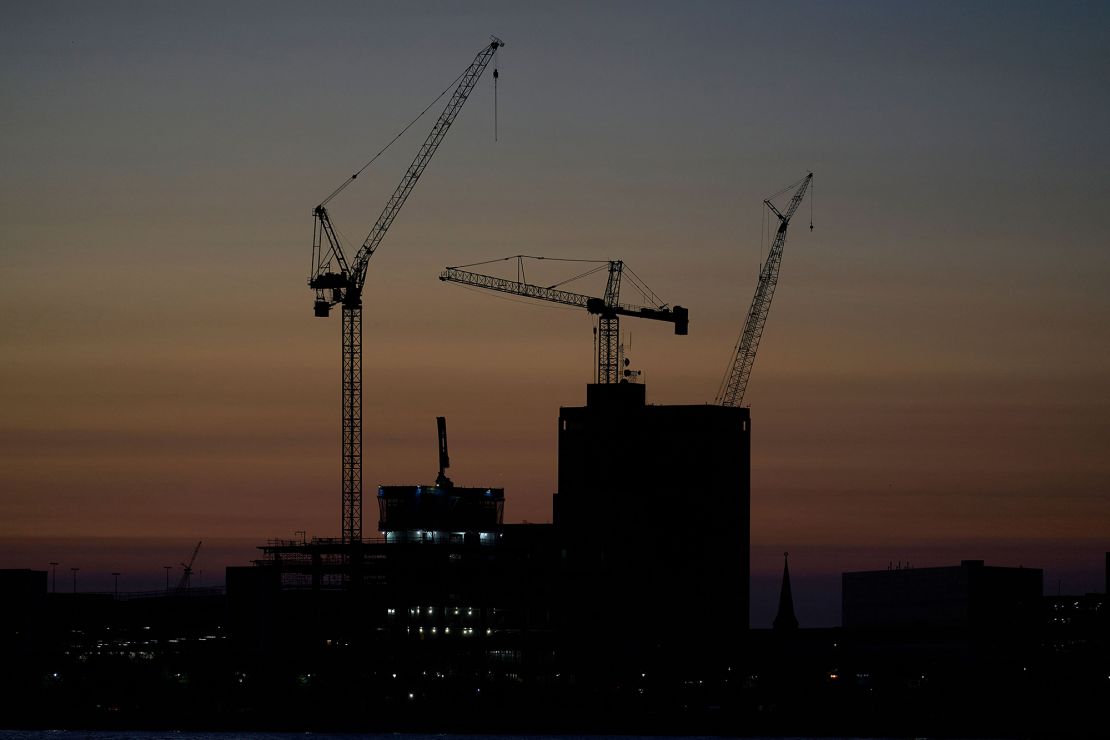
column 465, row 631
column 416, row 611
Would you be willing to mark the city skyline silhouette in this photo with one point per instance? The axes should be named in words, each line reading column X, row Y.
column 931, row 386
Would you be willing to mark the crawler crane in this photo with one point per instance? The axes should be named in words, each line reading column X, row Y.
column 735, row 382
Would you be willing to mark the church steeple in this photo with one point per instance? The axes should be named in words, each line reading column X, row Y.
column 785, row 619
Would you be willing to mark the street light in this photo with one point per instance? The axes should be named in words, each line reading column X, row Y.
column 53, row 577
column 167, row 567
column 116, row 577
column 75, row 578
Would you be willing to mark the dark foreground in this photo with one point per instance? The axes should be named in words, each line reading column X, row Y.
column 812, row 683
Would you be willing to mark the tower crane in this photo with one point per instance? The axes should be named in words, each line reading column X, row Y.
column 187, row 572
column 735, row 382
column 337, row 280
column 608, row 309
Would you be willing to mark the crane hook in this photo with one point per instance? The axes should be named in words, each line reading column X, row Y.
column 495, row 75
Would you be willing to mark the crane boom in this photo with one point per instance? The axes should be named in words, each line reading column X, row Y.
column 427, row 149
column 345, row 286
column 607, row 309
column 554, row 295
column 735, row 383
column 351, row 278
column 187, row 570
column 513, row 287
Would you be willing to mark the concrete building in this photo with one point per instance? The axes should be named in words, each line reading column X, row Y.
column 652, row 515
column 970, row 595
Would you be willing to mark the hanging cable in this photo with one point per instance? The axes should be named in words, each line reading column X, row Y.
column 579, row 276
column 646, row 293
column 791, row 186
column 527, row 257
column 812, row 193
column 352, row 178
column 495, row 94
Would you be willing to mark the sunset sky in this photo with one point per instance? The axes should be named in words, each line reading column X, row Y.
column 933, row 383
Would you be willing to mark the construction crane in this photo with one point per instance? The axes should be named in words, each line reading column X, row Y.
column 187, row 572
column 442, row 480
column 608, row 309
column 735, row 382
column 337, row 280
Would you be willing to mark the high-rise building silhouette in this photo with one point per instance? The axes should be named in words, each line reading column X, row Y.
column 652, row 514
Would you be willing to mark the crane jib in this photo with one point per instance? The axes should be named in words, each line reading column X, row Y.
column 607, row 309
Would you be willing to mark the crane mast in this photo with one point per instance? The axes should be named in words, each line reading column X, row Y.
column 608, row 309
column 735, row 382
column 609, row 329
column 344, row 286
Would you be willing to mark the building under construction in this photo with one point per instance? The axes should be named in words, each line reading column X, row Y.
column 645, row 566
column 647, row 558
